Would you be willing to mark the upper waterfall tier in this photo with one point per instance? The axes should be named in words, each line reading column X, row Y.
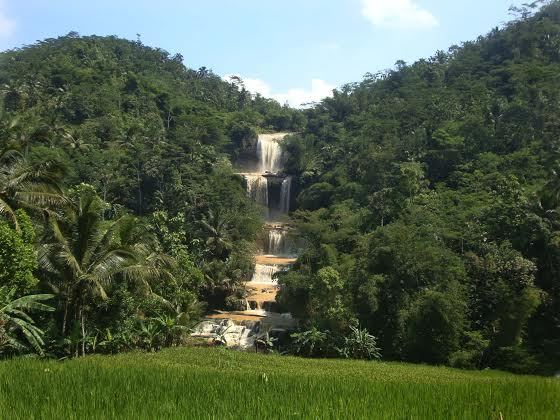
column 270, row 187
column 269, row 152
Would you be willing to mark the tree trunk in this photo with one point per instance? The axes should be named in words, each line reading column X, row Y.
column 76, row 318
column 83, row 323
column 65, row 318
column 104, row 183
column 138, row 179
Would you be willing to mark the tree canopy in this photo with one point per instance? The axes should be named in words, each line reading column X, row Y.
column 430, row 189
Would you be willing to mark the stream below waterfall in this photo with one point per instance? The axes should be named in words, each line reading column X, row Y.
column 270, row 188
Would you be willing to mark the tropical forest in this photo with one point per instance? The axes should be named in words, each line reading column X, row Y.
column 173, row 245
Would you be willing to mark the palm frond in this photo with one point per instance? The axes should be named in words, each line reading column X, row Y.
column 6, row 209
column 10, row 154
column 40, row 197
column 93, row 285
column 110, row 264
column 44, row 253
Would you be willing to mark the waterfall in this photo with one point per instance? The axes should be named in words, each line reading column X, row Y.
column 269, row 153
column 269, row 187
column 276, row 242
column 285, row 192
column 263, row 274
column 245, row 340
column 257, row 189
column 255, row 305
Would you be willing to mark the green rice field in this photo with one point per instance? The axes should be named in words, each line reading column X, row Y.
column 210, row 383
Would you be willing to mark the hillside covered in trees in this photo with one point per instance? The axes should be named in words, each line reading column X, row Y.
column 121, row 157
column 430, row 204
column 428, row 200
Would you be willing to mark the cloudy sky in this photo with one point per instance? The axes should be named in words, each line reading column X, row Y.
column 295, row 51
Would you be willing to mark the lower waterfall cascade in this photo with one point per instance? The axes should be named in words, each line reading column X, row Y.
column 264, row 274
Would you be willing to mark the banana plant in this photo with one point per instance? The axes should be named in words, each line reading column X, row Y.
column 18, row 332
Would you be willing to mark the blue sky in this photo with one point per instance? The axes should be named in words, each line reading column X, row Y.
column 291, row 50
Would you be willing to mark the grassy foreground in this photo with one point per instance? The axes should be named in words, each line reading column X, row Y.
column 222, row 384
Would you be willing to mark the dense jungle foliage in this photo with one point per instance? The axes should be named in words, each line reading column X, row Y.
column 118, row 200
column 430, row 204
column 428, row 201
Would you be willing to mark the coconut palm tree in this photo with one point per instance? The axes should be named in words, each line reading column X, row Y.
column 26, row 184
column 83, row 254
column 15, row 323
column 217, row 233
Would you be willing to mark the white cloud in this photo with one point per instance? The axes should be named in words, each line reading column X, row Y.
column 257, row 86
column 7, row 24
column 397, row 14
column 296, row 97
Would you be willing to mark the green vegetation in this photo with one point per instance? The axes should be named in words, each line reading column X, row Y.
column 428, row 202
column 117, row 195
column 213, row 383
column 14, row 321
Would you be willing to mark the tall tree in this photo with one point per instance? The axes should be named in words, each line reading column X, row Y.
column 82, row 255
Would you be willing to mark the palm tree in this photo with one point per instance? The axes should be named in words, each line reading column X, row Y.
column 216, row 230
column 25, row 184
column 16, row 323
column 83, row 254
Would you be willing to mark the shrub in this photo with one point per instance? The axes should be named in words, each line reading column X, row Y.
column 17, row 255
column 311, row 343
column 472, row 352
column 359, row 344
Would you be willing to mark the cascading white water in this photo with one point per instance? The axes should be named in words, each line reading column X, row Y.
column 263, row 274
column 246, row 341
column 256, row 305
column 260, row 304
column 269, row 152
column 257, row 189
column 226, row 332
column 276, row 242
column 285, row 192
